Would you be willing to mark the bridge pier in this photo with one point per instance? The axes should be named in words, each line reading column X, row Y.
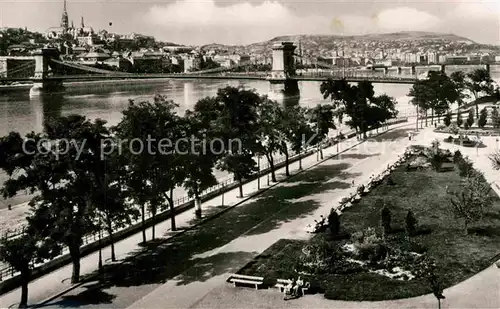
column 487, row 67
column 386, row 70
column 413, row 70
column 400, row 70
column 283, row 88
column 43, row 83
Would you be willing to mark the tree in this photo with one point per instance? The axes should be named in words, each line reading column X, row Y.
column 321, row 121
column 153, row 172
column 420, row 94
column 460, row 121
column 472, row 200
column 270, row 133
column 447, row 119
column 426, row 269
column 411, row 223
column 114, row 208
column 237, row 125
column 483, row 118
column 479, row 82
column 495, row 160
column 470, row 118
column 495, row 118
column 385, row 220
column 23, row 252
column 334, row 222
column 62, row 173
column 299, row 132
column 199, row 162
column 458, row 78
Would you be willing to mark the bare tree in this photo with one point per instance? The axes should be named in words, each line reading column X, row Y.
column 470, row 202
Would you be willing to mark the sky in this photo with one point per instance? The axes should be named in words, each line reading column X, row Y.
column 197, row 22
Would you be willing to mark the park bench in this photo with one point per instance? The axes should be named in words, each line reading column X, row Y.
column 282, row 283
column 247, row 280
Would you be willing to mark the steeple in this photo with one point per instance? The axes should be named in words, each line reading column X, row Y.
column 72, row 25
column 82, row 24
column 64, row 18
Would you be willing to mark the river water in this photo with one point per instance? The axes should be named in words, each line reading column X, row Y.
column 19, row 112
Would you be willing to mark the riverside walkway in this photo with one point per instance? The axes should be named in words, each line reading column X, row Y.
column 190, row 270
column 196, row 251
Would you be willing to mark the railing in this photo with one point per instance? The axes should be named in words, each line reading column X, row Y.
column 228, row 181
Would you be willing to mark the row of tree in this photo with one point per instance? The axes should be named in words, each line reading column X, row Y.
column 78, row 193
column 439, row 91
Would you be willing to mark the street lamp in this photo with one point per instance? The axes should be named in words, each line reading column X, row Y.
column 258, row 173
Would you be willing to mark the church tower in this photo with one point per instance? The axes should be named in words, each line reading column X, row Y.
column 64, row 18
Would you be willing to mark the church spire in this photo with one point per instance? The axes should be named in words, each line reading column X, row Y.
column 64, row 17
column 82, row 24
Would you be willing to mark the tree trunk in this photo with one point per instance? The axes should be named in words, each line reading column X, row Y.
column 240, row 182
column 439, row 303
column 432, row 116
column 300, row 161
column 111, row 240
column 153, row 229
column 197, row 205
column 74, row 251
column 25, row 279
column 170, row 200
column 477, row 110
column 271, row 165
column 143, row 223
column 321, row 152
column 466, row 225
column 426, row 119
column 287, row 170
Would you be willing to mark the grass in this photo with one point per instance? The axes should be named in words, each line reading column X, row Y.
column 458, row 256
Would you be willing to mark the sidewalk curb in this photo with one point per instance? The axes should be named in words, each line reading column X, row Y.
column 214, row 216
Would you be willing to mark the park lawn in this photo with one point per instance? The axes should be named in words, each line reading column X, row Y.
column 458, row 256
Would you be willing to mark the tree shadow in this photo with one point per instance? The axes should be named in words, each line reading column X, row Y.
column 488, row 231
column 92, row 295
column 192, row 255
column 320, row 173
column 357, row 156
column 392, row 135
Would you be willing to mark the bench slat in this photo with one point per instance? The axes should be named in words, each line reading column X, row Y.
column 247, row 281
column 246, row 277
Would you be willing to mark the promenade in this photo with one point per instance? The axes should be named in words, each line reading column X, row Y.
column 189, row 271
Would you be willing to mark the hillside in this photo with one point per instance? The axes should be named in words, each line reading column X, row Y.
column 406, row 39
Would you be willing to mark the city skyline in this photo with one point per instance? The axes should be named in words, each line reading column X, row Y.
column 231, row 22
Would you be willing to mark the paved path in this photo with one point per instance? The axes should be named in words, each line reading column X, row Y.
column 236, row 237
column 240, row 234
column 480, row 291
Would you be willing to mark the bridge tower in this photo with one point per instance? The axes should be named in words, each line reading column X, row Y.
column 43, row 82
column 281, row 80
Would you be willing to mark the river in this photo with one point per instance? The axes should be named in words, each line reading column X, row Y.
column 19, row 112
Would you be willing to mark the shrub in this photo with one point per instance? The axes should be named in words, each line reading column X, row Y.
column 385, row 220
column 447, row 119
column 449, row 139
column 466, row 126
column 361, row 189
column 483, row 118
column 495, row 118
column 470, row 118
column 390, row 181
column 369, row 246
column 465, row 167
column 334, row 222
column 457, row 156
column 460, row 121
column 411, row 223
column 453, row 128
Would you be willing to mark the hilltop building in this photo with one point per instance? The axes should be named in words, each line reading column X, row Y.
column 83, row 35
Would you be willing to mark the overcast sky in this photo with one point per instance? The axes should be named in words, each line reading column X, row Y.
column 243, row 22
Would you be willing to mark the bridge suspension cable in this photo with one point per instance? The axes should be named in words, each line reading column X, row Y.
column 86, row 68
column 17, row 69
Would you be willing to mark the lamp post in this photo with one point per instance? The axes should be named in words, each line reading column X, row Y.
column 258, row 173
column 223, row 194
